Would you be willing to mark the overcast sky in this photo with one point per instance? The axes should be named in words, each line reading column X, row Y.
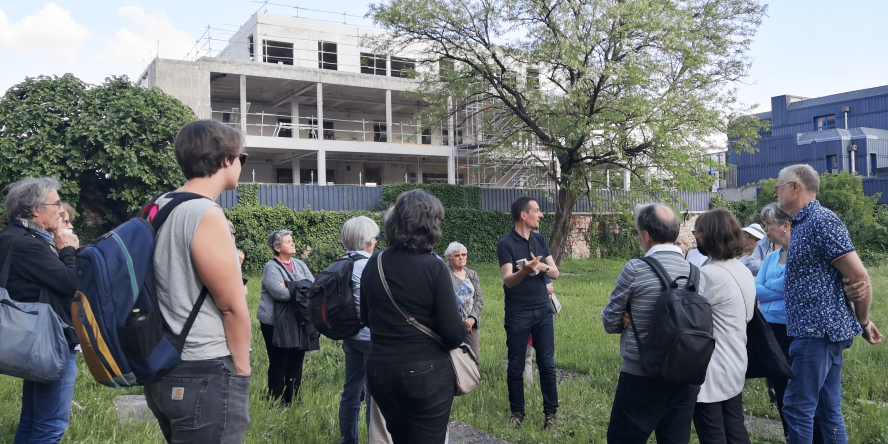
column 808, row 48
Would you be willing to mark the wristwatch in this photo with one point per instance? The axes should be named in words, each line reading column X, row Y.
column 547, row 269
column 864, row 326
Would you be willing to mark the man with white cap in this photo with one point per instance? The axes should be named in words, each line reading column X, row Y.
column 757, row 247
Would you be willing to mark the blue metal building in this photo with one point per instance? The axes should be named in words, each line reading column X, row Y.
column 847, row 131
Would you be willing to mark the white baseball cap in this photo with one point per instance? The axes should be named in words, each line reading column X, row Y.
column 755, row 230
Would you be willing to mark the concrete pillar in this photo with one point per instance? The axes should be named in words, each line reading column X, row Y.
column 243, row 104
column 419, row 132
column 296, row 165
column 320, row 120
column 294, row 117
column 626, row 180
column 322, row 167
column 419, row 170
column 388, row 116
column 451, row 142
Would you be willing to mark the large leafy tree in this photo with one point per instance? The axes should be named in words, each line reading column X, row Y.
column 579, row 87
column 109, row 145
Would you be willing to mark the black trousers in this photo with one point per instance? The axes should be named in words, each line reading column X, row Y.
column 415, row 398
column 645, row 405
column 721, row 422
column 284, row 368
column 779, row 385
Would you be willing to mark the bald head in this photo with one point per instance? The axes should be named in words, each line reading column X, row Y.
column 659, row 221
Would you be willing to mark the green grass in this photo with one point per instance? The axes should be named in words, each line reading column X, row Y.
column 581, row 346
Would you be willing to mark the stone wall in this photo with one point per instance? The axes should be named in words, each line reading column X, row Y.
column 579, row 246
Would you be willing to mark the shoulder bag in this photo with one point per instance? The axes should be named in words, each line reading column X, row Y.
column 34, row 345
column 766, row 359
column 465, row 364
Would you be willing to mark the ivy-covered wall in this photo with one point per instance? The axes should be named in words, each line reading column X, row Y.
column 451, row 196
column 317, row 234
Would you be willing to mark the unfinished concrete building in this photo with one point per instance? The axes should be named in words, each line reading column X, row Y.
column 317, row 108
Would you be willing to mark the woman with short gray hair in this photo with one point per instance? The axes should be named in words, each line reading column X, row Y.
column 284, row 364
column 41, row 265
column 469, row 300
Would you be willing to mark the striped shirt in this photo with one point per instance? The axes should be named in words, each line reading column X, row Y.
column 639, row 281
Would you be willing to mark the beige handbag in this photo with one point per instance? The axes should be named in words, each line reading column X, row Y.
column 465, row 364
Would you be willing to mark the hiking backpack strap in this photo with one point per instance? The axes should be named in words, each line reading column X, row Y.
column 693, row 282
column 157, row 216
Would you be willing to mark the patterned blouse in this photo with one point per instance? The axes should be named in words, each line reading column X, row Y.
column 465, row 297
column 815, row 303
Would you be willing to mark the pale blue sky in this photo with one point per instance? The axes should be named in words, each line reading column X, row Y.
column 804, row 47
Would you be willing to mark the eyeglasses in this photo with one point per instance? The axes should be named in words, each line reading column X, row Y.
column 376, row 237
column 777, row 187
column 459, row 255
column 233, row 232
column 243, row 158
column 57, row 204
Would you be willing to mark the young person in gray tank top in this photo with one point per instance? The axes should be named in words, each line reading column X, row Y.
column 206, row 397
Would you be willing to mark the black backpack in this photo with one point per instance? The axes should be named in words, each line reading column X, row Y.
column 331, row 303
column 679, row 343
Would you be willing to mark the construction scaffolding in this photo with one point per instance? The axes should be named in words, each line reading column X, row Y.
column 524, row 165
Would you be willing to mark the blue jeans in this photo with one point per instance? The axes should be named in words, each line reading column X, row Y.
column 46, row 408
column 519, row 326
column 354, row 390
column 816, row 390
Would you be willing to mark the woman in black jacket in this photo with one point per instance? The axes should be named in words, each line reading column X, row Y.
column 409, row 374
column 41, row 270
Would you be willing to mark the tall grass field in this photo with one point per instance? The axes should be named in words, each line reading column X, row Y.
column 581, row 347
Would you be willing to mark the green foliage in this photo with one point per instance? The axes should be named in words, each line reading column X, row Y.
column 611, row 236
column 451, row 196
column 109, row 145
column 317, row 234
column 747, row 211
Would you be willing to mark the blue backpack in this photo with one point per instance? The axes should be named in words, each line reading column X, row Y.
column 115, row 312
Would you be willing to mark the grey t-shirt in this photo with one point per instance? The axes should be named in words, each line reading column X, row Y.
column 179, row 285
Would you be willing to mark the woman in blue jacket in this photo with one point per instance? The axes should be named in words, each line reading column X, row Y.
column 769, row 293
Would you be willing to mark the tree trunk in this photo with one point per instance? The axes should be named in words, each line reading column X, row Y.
column 558, row 241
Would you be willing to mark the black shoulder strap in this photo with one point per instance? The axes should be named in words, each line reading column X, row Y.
column 4, row 273
column 658, row 268
column 158, row 220
column 167, row 209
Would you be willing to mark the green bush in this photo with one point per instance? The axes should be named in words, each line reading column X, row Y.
column 611, row 235
column 451, row 196
column 317, row 234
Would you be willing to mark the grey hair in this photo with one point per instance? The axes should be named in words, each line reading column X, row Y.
column 773, row 213
column 276, row 239
column 230, row 226
column 358, row 232
column 454, row 247
column 24, row 195
column 387, row 214
column 662, row 229
column 803, row 174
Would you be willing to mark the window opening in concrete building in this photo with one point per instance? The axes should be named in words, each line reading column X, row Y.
column 832, row 163
column 226, row 117
column 250, row 45
column 328, row 129
column 380, row 133
column 372, row 64
column 284, row 175
column 277, row 52
column 327, row 55
column 285, row 132
column 305, row 176
column 426, row 137
column 445, row 137
column 445, row 68
column 402, row 66
column 532, row 78
column 434, row 177
column 372, row 175
column 824, row 123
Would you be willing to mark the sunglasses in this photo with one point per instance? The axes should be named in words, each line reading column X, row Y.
column 243, row 158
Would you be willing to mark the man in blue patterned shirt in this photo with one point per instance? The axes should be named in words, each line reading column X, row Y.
column 818, row 315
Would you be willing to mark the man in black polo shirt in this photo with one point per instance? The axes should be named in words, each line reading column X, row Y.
column 528, row 310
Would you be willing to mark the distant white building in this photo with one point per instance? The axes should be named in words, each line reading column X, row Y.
column 316, row 107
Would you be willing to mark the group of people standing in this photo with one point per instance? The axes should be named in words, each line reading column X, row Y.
column 814, row 293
